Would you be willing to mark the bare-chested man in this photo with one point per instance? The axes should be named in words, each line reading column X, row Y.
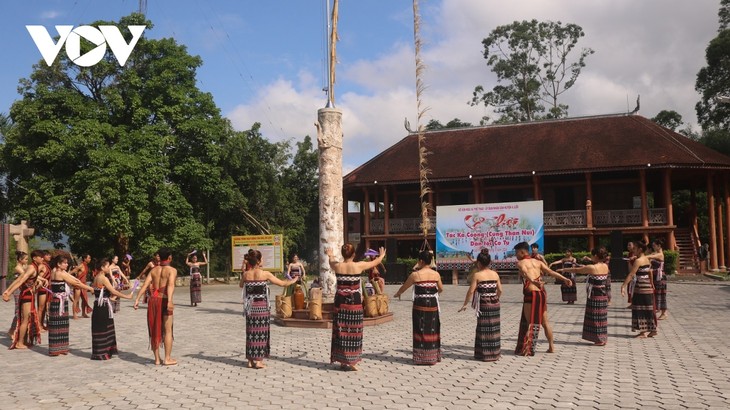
column 161, row 281
column 534, row 311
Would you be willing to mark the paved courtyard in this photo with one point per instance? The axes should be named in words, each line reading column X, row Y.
column 685, row 367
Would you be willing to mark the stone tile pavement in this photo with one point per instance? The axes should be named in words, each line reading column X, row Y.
column 685, row 367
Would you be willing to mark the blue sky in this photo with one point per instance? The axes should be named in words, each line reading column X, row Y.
column 263, row 60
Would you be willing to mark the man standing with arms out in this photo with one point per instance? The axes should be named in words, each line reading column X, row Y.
column 534, row 308
column 161, row 282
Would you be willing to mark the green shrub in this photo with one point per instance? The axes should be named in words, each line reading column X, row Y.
column 409, row 262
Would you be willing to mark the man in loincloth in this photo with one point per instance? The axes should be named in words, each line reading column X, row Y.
column 534, row 308
column 161, row 282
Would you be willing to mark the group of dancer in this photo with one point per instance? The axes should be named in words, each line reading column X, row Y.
column 44, row 285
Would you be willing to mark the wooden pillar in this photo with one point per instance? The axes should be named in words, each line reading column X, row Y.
column 475, row 188
column 667, row 175
column 589, row 211
column 394, row 195
column 644, row 203
column 726, row 195
column 433, row 205
column 345, row 219
column 377, row 203
column 455, row 277
column 536, row 191
column 720, row 235
column 366, row 211
column 711, row 220
column 386, row 210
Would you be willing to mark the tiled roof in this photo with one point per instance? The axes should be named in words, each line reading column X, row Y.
column 574, row 145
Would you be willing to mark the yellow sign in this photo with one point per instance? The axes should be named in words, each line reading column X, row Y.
column 270, row 246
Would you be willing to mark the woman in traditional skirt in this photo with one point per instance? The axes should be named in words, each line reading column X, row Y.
column 28, row 330
column 660, row 278
column 255, row 284
column 21, row 263
column 118, row 279
column 347, row 315
column 196, row 279
column 569, row 293
column 58, row 312
column 643, row 315
column 484, row 292
column 427, row 286
column 81, row 298
column 595, row 322
column 630, row 259
column 103, row 335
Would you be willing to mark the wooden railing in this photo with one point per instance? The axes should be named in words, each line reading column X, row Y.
column 613, row 217
column 399, row 225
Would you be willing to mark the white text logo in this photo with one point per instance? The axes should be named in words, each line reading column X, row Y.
column 71, row 36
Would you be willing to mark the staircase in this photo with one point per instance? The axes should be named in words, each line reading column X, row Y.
column 687, row 264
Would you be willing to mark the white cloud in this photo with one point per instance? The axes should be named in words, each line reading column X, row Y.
column 50, row 14
column 653, row 48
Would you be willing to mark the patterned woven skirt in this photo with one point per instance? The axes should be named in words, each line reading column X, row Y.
column 570, row 293
column 196, row 283
column 58, row 327
column 426, row 331
column 661, row 293
column 103, row 336
column 258, row 320
column 595, row 321
column 643, row 315
column 347, row 322
column 608, row 289
column 530, row 325
column 487, row 343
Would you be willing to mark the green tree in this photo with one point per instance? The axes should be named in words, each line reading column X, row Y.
column 93, row 150
column 668, row 119
column 713, row 80
column 455, row 123
column 532, row 62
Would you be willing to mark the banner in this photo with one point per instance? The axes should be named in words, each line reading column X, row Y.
column 270, row 246
column 462, row 231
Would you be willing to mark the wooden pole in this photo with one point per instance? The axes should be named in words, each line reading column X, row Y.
column 667, row 175
column 644, row 203
column 712, row 220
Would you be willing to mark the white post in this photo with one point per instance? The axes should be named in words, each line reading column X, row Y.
column 331, row 232
column 207, row 267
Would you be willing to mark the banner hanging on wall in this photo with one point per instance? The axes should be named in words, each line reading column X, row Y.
column 270, row 246
column 462, row 231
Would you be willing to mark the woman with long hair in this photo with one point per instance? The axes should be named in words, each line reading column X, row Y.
column 483, row 295
column 630, row 259
column 103, row 334
column 659, row 277
column 643, row 315
column 58, row 310
column 347, row 316
column 21, row 262
column 255, row 284
column 196, row 279
column 427, row 286
column 595, row 322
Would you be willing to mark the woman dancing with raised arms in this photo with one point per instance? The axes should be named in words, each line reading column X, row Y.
column 196, row 279
column 595, row 322
column 255, row 283
column 347, row 316
column 483, row 295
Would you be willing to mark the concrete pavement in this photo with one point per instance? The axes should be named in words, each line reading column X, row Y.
column 685, row 367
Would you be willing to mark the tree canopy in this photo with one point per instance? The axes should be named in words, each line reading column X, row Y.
column 128, row 159
column 455, row 123
column 669, row 119
column 534, row 65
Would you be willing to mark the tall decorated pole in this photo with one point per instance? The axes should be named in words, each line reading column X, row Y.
column 329, row 142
